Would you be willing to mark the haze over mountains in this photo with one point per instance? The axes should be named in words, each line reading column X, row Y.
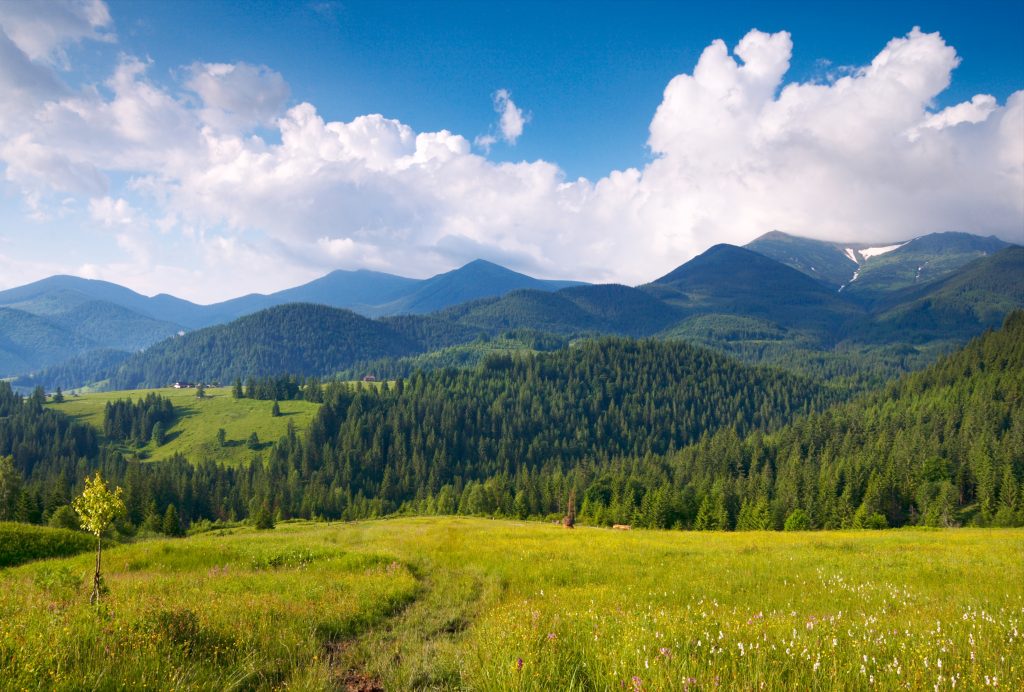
column 48, row 321
column 779, row 298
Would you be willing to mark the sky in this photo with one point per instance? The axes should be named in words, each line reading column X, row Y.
column 213, row 149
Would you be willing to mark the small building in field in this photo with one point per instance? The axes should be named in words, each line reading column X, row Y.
column 369, row 378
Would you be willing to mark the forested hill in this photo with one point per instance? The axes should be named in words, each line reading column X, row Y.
column 595, row 400
column 649, row 433
column 943, row 446
column 299, row 338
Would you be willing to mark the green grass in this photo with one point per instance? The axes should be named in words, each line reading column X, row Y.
column 465, row 603
column 194, row 433
column 24, row 542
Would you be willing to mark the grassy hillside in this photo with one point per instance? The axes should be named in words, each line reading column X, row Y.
column 488, row 605
column 194, row 433
column 24, row 542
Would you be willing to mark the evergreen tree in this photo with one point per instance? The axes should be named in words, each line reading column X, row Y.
column 172, row 524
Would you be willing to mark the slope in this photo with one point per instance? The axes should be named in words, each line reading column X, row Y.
column 194, row 432
column 29, row 342
column 819, row 259
column 300, row 338
column 476, row 280
column 59, row 294
column 962, row 304
column 939, row 447
column 916, row 262
column 734, row 281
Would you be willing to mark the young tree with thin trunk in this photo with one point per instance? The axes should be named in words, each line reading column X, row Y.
column 98, row 507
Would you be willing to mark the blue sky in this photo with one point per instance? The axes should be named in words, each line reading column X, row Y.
column 590, row 73
column 162, row 206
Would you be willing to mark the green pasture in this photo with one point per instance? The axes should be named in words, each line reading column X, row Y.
column 194, row 433
column 464, row 603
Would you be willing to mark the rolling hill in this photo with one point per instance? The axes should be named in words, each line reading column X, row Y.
column 300, row 338
column 194, row 431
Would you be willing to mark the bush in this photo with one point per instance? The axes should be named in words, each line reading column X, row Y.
column 263, row 519
column 65, row 517
column 874, row 521
column 23, row 542
column 798, row 520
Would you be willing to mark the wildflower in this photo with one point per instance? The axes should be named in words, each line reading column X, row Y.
column 552, row 636
column 665, row 651
column 638, row 684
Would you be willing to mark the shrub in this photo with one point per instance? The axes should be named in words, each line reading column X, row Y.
column 23, row 542
column 798, row 520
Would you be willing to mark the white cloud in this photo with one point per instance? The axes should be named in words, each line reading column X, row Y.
column 238, row 96
column 737, row 152
column 42, row 28
column 112, row 212
column 511, row 121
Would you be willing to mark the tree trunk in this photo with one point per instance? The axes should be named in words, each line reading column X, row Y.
column 95, row 598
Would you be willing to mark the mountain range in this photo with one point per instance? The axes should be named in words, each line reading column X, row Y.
column 61, row 317
column 781, row 300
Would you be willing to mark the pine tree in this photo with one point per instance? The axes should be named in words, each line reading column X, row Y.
column 171, row 524
column 158, row 434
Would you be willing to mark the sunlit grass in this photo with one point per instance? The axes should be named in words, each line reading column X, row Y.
column 194, row 433
column 480, row 604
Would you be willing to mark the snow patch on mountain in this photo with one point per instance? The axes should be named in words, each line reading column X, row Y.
column 875, row 251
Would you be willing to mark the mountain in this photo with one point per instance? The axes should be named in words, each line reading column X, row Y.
column 603, row 309
column 827, row 262
column 732, row 299
column 29, row 341
column 358, row 290
column 298, row 338
column 917, row 262
column 964, row 303
column 60, row 294
column 734, row 281
column 476, row 280
column 71, row 316
column 870, row 273
column 87, row 314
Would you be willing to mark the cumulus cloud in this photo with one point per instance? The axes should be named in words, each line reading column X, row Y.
column 237, row 96
column 737, row 151
column 42, row 29
column 511, row 121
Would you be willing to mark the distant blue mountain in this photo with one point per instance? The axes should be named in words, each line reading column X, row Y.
column 79, row 315
column 478, row 279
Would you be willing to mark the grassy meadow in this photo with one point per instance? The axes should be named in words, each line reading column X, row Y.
column 461, row 603
column 194, row 432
